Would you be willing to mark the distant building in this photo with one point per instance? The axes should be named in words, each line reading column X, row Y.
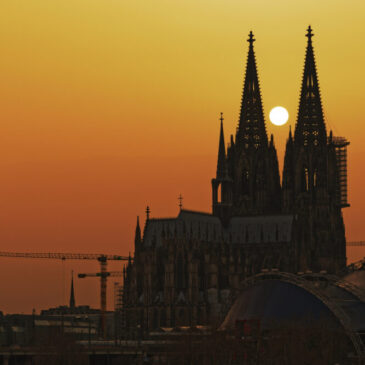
column 81, row 312
column 187, row 270
column 72, row 309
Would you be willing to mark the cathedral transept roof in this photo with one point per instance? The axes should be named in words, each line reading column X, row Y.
column 208, row 228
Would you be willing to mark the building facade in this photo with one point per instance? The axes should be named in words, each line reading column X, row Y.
column 187, row 270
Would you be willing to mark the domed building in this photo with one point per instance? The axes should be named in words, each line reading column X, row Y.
column 273, row 301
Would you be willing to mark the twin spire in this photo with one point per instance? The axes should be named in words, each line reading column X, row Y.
column 221, row 165
column 251, row 132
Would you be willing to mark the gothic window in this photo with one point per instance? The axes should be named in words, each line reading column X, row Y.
column 315, row 178
column 305, row 179
column 276, row 232
column 139, row 283
column 223, row 280
column 182, row 316
column 141, row 318
column 180, row 272
column 163, row 318
column 160, row 275
column 219, row 193
column 172, row 320
column 201, row 274
column 155, row 318
column 200, row 317
column 245, row 179
column 306, row 136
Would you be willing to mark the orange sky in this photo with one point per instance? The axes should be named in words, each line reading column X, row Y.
column 109, row 105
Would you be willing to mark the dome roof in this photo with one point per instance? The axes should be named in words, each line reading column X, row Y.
column 271, row 301
column 275, row 298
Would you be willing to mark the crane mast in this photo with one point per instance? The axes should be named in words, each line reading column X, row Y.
column 103, row 273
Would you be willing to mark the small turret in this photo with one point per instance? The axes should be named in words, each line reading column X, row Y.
column 137, row 236
column 221, row 164
column 221, row 185
column 288, row 175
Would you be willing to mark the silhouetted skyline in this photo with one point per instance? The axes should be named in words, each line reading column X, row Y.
column 104, row 110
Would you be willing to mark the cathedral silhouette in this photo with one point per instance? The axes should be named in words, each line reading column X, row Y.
column 187, row 270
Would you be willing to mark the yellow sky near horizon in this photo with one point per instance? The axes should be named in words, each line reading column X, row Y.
column 109, row 105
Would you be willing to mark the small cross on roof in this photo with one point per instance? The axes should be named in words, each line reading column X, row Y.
column 251, row 39
column 309, row 33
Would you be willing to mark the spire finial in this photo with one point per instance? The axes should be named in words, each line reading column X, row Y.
column 309, row 34
column 221, row 118
column 251, row 39
column 180, row 199
column 148, row 211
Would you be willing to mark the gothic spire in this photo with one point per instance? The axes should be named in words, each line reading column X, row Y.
column 137, row 237
column 72, row 293
column 251, row 128
column 310, row 128
column 288, row 159
column 221, row 165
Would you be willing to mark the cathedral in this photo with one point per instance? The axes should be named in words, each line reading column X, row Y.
column 186, row 271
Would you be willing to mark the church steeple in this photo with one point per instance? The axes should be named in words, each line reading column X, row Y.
column 251, row 128
column 248, row 173
column 72, row 292
column 221, row 164
column 310, row 182
column 310, row 127
column 221, row 184
column 288, row 176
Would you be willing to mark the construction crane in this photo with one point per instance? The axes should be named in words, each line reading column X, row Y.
column 103, row 274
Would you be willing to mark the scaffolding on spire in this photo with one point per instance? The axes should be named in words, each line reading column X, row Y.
column 340, row 144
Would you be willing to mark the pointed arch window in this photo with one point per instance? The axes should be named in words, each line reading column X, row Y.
column 306, row 179
column 315, row 179
column 245, row 181
column 163, row 318
column 160, row 275
column 180, row 272
column 219, row 193
column 155, row 323
column 201, row 273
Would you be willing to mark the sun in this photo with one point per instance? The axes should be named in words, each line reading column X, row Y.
column 279, row 115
